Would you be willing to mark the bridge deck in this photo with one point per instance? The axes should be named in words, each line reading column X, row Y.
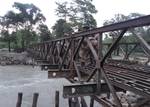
column 138, row 82
column 129, row 77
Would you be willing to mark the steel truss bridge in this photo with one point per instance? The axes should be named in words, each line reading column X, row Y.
column 100, row 74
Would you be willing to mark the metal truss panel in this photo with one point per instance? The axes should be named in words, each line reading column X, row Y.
column 79, row 90
column 55, row 73
column 85, row 89
column 133, row 89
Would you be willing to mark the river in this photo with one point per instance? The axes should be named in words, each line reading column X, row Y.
column 26, row 79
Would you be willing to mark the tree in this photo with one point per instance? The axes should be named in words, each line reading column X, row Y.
column 78, row 13
column 117, row 18
column 120, row 18
column 6, row 37
column 86, row 9
column 62, row 11
column 44, row 33
column 61, row 27
column 129, row 38
column 23, row 22
column 6, row 24
column 30, row 16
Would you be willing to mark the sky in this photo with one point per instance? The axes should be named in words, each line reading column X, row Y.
column 106, row 8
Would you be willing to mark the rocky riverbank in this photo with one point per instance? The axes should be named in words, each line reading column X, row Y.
column 12, row 58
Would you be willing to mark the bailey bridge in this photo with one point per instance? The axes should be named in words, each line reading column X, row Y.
column 100, row 73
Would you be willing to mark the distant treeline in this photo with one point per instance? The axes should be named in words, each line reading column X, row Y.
column 27, row 25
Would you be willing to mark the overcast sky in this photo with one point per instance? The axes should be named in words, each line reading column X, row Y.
column 106, row 8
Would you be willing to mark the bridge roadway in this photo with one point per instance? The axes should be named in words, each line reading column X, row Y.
column 134, row 78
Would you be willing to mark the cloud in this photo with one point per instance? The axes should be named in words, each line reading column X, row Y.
column 106, row 8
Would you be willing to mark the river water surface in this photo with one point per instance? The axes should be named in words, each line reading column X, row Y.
column 26, row 79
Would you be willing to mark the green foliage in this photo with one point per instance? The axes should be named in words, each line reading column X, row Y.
column 78, row 13
column 62, row 10
column 18, row 28
column 6, row 37
column 44, row 33
column 61, row 28
column 3, row 45
column 144, row 31
column 29, row 14
column 107, row 39
column 86, row 9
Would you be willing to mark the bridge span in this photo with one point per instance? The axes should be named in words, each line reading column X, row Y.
column 94, row 71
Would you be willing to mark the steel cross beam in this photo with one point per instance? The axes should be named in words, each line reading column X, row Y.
column 113, row 46
column 137, row 22
column 85, row 89
column 145, row 45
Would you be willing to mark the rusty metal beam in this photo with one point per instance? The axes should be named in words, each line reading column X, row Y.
column 145, row 45
column 137, row 22
column 78, row 47
column 49, row 66
column 66, row 53
column 113, row 46
column 103, row 102
column 91, row 75
column 55, row 73
column 92, row 49
column 111, row 87
column 86, row 89
column 77, row 71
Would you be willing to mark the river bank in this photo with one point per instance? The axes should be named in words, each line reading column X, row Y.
column 13, row 58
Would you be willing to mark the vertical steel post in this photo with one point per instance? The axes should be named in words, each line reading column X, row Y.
column 57, row 99
column 100, row 55
column 19, row 100
column 35, row 99
column 92, row 102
